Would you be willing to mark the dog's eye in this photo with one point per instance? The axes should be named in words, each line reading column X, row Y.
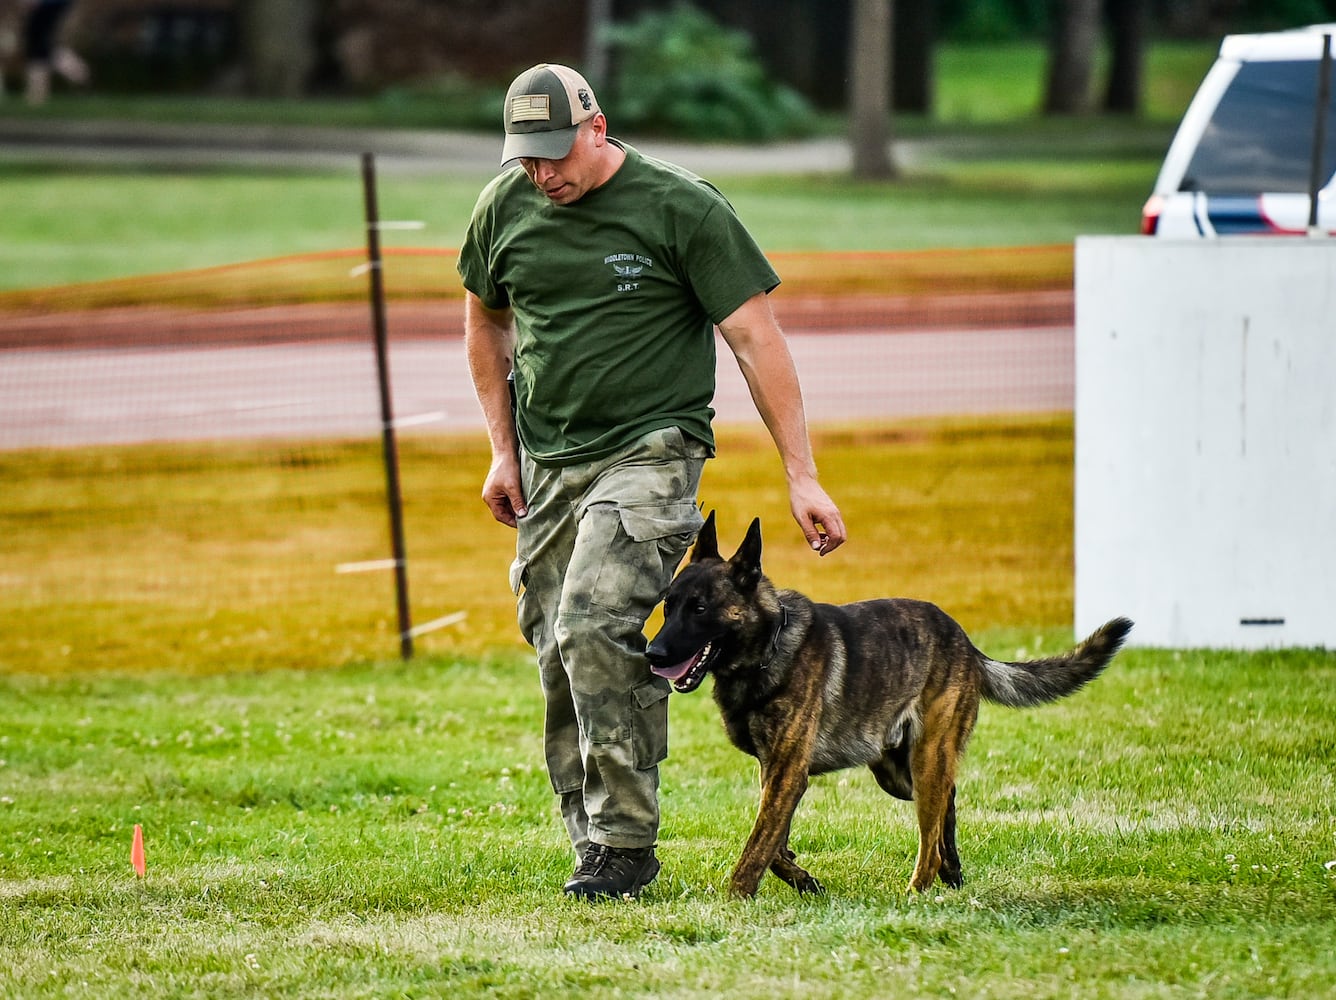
column 699, row 608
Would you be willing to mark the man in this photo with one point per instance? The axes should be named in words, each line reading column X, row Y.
column 594, row 276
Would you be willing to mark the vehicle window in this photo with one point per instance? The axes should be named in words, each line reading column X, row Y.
column 1260, row 137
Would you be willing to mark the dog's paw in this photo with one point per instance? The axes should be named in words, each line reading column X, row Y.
column 951, row 877
column 789, row 871
column 809, row 886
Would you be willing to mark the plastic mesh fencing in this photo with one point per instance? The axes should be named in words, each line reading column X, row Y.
column 192, row 461
column 1027, row 283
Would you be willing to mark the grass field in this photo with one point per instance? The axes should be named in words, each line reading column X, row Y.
column 66, row 226
column 1003, row 82
column 355, row 827
column 386, row 830
column 220, row 557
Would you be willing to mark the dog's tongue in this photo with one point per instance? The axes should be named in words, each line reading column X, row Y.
column 680, row 670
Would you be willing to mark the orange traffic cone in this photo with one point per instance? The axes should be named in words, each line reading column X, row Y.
column 137, row 851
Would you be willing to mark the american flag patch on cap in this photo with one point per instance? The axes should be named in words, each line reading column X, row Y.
column 530, row 108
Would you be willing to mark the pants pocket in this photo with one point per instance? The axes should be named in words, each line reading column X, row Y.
column 649, row 728
column 646, row 546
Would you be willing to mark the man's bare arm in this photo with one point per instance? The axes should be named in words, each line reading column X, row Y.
column 757, row 342
column 489, row 342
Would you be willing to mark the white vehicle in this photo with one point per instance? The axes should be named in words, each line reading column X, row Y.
column 1241, row 160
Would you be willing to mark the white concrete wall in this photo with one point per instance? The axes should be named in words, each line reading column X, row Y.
column 1206, row 439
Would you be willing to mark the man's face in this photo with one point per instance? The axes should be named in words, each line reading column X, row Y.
column 569, row 179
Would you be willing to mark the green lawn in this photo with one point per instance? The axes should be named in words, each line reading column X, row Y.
column 76, row 226
column 358, row 827
column 65, row 226
column 386, row 830
column 352, row 827
column 992, row 82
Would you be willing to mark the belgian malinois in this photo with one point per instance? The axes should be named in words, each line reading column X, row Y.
column 809, row 688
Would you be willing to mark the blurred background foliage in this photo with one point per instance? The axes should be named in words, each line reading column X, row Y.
column 738, row 70
column 680, row 73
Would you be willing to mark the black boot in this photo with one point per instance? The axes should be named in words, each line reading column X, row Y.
column 613, row 873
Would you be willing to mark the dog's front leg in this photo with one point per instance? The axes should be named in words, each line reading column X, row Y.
column 785, row 867
column 783, row 782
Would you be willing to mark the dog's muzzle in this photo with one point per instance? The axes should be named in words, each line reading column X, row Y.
column 687, row 675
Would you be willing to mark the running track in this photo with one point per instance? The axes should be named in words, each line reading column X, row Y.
column 114, row 395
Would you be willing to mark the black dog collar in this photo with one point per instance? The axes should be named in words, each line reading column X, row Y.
column 773, row 649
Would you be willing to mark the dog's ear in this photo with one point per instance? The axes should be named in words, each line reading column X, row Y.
column 745, row 566
column 707, row 542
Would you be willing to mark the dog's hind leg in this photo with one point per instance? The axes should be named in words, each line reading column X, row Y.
column 931, row 806
column 893, row 774
column 950, row 872
column 946, row 726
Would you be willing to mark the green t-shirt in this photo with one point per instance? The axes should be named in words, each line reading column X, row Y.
column 615, row 297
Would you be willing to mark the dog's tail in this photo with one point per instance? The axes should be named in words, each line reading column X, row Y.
column 1034, row 682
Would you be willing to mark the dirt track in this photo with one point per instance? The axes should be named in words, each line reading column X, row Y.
column 125, row 375
column 134, row 374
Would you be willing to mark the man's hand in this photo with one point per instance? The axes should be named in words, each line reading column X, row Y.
column 502, row 490
column 817, row 516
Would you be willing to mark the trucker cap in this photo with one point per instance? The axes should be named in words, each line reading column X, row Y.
column 544, row 108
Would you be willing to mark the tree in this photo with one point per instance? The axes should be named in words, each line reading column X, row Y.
column 1127, row 35
column 914, row 28
column 1071, row 57
column 598, row 18
column 278, row 46
column 869, row 88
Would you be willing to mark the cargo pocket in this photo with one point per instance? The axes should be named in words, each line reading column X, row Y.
column 641, row 558
column 649, row 728
column 662, row 522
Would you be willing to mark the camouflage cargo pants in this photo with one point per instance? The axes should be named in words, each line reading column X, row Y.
column 595, row 555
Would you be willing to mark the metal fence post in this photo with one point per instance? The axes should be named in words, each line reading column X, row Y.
column 389, row 446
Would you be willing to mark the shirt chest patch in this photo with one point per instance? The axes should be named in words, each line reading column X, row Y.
column 628, row 270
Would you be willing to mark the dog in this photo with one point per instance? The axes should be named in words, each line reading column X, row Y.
column 809, row 688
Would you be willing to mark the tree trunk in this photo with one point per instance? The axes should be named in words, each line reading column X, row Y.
column 278, row 40
column 869, row 88
column 1188, row 18
column 802, row 43
column 1071, row 57
column 913, row 86
column 598, row 18
column 1127, row 36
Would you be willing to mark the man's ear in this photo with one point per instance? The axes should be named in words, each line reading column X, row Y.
column 745, row 566
column 707, row 542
